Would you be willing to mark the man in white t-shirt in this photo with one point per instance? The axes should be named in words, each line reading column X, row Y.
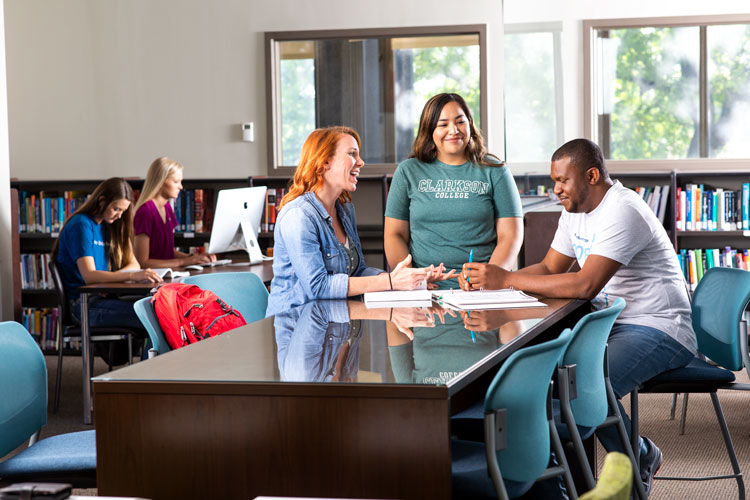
column 623, row 251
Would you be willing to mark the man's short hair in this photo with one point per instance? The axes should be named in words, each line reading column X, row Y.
column 584, row 154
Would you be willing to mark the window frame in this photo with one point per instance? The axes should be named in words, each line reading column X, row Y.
column 590, row 28
column 555, row 28
column 273, row 92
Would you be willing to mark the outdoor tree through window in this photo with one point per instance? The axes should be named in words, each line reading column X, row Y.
column 655, row 100
column 376, row 84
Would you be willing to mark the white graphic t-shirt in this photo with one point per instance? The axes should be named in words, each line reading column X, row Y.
column 623, row 228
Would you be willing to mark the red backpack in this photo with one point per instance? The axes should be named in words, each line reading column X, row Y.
column 188, row 314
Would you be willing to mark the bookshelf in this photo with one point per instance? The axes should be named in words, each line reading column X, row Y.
column 33, row 240
column 715, row 235
column 38, row 210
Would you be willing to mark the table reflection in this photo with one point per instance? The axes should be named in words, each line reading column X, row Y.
column 322, row 341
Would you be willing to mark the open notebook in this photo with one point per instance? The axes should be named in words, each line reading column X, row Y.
column 163, row 272
column 485, row 299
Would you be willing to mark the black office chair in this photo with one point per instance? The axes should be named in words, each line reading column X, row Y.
column 68, row 330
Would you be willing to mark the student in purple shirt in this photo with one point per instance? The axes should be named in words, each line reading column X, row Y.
column 155, row 220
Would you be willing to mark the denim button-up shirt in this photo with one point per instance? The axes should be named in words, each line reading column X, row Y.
column 309, row 262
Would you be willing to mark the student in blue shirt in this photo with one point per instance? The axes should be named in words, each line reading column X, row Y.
column 317, row 253
column 95, row 246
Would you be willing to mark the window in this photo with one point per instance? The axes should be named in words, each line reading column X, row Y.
column 668, row 90
column 533, row 92
column 376, row 81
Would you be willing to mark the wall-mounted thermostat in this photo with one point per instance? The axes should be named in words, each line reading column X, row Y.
column 248, row 134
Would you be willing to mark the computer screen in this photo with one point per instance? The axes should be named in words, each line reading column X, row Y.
column 233, row 207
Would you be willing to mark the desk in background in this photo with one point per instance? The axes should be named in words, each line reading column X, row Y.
column 263, row 270
column 284, row 407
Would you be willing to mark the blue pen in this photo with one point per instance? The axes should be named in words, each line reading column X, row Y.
column 471, row 259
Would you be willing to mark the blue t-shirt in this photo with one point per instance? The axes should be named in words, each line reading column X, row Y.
column 81, row 237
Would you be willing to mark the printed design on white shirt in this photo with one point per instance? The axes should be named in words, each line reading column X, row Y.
column 453, row 188
column 582, row 248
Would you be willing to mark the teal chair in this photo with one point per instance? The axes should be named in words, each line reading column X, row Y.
column 65, row 458
column 587, row 401
column 144, row 309
column 245, row 292
column 718, row 305
column 519, row 430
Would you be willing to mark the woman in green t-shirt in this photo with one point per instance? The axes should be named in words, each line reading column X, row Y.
column 451, row 197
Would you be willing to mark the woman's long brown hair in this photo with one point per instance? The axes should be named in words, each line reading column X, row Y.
column 424, row 148
column 118, row 235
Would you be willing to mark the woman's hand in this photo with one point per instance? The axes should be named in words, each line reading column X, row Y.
column 439, row 274
column 404, row 318
column 147, row 275
column 199, row 258
column 404, row 277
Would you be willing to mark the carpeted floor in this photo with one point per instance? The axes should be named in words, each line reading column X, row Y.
column 699, row 452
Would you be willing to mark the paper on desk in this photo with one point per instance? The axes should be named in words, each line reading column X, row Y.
column 485, row 299
column 165, row 272
column 397, row 298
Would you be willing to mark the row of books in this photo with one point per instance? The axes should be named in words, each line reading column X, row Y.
column 194, row 209
column 35, row 272
column 42, row 324
column 45, row 211
column 656, row 197
column 701, row 208
column 695, row 262
column 273, row 200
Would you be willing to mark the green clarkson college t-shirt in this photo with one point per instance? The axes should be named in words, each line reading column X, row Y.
column 451, row 209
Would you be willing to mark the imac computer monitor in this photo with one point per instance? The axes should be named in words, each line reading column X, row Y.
column 237, row 221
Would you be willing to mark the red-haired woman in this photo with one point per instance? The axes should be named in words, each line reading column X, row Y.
column 317, row 253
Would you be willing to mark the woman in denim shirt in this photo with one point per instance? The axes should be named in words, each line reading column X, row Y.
column 317, row 253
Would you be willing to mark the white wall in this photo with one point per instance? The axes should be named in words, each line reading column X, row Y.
column 572, row 13
column 6, row 275
column 102, row 87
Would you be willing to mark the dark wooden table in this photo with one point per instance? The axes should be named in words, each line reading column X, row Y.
column 279, row 408
column 264, row 270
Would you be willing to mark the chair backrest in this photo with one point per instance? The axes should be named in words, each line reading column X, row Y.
column 243, row 291
column 586, row 351
column 718, row 303
column 23, row 386
column 62, row 300
column 615, row 481
column 521, row 387
column 144, row 309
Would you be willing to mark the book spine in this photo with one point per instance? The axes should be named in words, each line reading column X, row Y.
column 714, row 210
column 198, row 193
column 745, row 206
column 271, row 209
column 693, row 271
column 190, row 211
column 683, row 264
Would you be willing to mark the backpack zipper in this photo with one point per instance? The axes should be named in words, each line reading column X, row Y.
column 184, row 336
column 217, row 318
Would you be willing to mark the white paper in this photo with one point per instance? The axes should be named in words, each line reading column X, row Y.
column 485, row 299
column 165, row 272
column 397, row 296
